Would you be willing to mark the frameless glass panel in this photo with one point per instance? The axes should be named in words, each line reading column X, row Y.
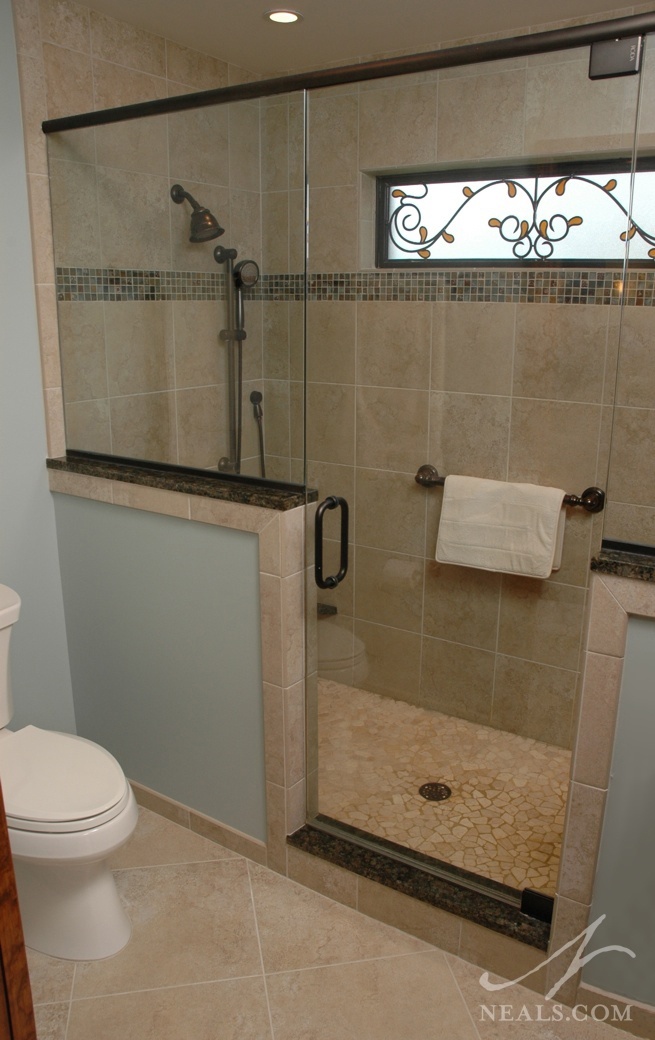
column 422, row 672
column 180, row 284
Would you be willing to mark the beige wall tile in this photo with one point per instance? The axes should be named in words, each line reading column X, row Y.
column 333, row 133
column 323, row 877
column 389, row 588
column 116, row 85
column 393, row 660
column 133, row 212
column 472, row 347
column 143, row 427
column 88, row 427
column 127, row 45
column 327, row 251
column 598, row 709
column 201, row 426
column 541, row 621
column 393, row 344
column 425, row 922
column 69, row 82
column 34, row 107
column 501, row 955
column 560, row 352
column 392, row 427
column 198, row 146
column 81, row 486
column 582, row 830
column 271, row 620
column 457, row 680
column 534, row 700
column 469, row 434
column 275, row 146
column 397, row 126
column 331, row 337
column 331, row 423
column 27, row 27
column 139, row 145
column 389, row 511
column 139, row 346
column 461, row 604
column 542, row 439
column 154, row 500
column 596, row 122
column 608, row 621
column 201, row 71
column 74, row 201
column 491, row 108
column 83, row 353
column 274, row 734
column 200, row 356
column 64, row 23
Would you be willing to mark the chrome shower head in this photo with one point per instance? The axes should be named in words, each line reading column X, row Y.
column 246, row 274
column 204, row 225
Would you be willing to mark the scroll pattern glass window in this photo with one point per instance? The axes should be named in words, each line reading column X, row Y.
column 555, row 215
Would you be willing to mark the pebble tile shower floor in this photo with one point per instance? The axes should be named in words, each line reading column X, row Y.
column 224, row 949
column 505, row 816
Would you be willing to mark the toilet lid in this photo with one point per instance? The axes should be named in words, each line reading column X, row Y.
column 57, row 777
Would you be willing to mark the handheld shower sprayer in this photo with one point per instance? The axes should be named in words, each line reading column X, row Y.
column 204, row 225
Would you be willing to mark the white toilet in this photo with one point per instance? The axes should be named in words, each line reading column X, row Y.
column 69, row 807
column 342, row 657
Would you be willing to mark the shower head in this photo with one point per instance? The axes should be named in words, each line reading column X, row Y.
column 246, row 274
column 204, row 225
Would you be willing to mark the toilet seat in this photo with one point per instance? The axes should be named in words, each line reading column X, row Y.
column 58, row 782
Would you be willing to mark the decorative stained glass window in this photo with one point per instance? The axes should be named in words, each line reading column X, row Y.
column 567, row 213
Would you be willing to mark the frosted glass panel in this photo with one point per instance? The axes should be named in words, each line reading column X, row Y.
column 624, row 880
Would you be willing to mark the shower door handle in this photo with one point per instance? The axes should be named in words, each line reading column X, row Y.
column 331, row 582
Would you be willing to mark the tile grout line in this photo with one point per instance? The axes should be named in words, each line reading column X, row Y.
column 463, row 999
column 261, row 952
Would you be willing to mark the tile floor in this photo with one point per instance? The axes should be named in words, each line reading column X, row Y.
column 505, row 817
column 224, row 949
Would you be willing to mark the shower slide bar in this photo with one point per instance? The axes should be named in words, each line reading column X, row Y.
column 592, row 499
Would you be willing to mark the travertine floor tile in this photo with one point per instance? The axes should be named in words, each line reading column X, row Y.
column 157, row 840
column 526, row 1015
column 232, row 1010
column 505, row 817
column 396, row 998
column 190, row 923
column 299, row 928
column 193, row 970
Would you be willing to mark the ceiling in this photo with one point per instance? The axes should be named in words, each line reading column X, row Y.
column 337, row 32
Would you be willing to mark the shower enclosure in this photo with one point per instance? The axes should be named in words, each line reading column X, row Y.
column 441, row 701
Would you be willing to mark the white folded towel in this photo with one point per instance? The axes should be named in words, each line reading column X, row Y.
column 497, row 526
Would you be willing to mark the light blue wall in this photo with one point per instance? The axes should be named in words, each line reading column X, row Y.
column 624, row 889
column 28, row 550
column 164, row 636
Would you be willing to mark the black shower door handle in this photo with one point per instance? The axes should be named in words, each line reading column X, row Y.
column 331, row 582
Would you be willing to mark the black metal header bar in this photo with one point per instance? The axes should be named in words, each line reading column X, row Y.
column 449, row 57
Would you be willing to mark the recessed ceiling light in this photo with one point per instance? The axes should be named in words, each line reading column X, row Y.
column 283, row 16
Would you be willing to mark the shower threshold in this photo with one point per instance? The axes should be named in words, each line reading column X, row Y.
column 484, row 902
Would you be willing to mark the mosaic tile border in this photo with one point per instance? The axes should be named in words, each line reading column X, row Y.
column 583, row 286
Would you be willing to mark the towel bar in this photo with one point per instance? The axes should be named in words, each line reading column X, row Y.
column 592, row 498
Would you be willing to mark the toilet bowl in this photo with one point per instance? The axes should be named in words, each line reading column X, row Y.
column 68, row 807
column 341, row 656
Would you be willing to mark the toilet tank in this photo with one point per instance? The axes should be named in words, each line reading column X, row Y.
column 9, row 611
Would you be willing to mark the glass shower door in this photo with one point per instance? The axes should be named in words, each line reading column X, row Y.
column 442, row 699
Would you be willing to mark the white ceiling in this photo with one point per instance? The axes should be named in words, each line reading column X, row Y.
column 337, row 31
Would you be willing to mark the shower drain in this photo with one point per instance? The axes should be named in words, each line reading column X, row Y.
column 435, row 792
